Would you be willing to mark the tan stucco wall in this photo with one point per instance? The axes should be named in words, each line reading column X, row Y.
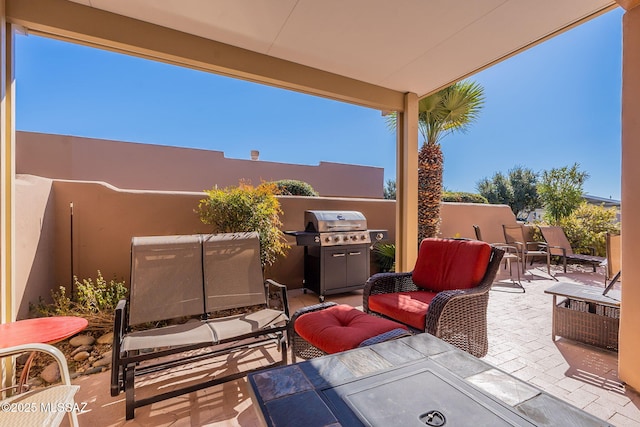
column 129, row 165
column 35, row 222
column 105, row 218
column 629, row 350
column 458, row 220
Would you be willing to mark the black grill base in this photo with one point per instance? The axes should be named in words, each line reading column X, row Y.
column 335, row 269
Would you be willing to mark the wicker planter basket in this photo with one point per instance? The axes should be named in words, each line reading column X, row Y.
column 589, row 323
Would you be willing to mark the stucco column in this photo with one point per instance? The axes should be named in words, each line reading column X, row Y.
column 629, row 347
column 7, row 183
column 407, row 185
column 7, row 174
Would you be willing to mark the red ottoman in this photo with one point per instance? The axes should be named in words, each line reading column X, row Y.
column 331, row 328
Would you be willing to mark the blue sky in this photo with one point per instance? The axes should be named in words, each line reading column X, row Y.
column 553, row 105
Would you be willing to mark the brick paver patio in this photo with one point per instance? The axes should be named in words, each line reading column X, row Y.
column 519, row 343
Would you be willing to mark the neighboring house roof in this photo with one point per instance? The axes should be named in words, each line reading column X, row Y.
column 595, row 200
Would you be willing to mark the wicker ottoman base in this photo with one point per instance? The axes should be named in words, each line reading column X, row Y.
column 371, row 331
column 586, row 322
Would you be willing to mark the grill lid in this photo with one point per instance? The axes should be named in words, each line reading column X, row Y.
column 332, row 221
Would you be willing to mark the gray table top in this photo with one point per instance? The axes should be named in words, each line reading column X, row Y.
column 323, row 391
column 585, row 293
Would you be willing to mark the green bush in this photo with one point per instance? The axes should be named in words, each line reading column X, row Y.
column 292, row 187
column 587, row 226
column 247, row 208
column 462, row 197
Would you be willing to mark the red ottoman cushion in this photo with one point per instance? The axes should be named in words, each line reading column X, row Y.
column 340, row 328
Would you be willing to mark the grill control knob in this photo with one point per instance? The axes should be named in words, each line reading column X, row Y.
column 337, row 238
column 363, row 237
column 327, row 239
column 345, row 238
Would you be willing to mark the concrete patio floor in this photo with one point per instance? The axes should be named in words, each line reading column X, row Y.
column 519, row 343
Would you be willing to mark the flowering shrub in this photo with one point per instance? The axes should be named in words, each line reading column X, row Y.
column 247, row 208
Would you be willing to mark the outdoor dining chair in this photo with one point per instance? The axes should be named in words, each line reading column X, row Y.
column 515, row 235
column 614, row 260
column 510, row 254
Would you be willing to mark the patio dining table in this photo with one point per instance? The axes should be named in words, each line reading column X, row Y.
column 413, row 381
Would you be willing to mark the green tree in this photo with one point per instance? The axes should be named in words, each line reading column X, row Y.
column 560, row 191
column 517, row 189
column 524, row 183
column 390, row 189
column 496, row 190
column 452, row 109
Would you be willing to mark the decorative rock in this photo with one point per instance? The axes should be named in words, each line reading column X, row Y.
column 105, row 361
column 83, row 355
column 22, row 359
column 87, row 348
column 106, row 338
column 79, row 340
column 51, row 373
column 93, row 371
column 35, row 382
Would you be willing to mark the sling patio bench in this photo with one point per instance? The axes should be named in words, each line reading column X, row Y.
column 215, row 281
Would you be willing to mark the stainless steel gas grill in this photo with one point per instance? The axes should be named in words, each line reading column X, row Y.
column 336, row 250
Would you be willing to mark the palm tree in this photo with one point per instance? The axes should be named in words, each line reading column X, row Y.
column 449, row 110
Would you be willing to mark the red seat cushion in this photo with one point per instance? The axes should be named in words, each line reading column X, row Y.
column 406, row 307
column 340, row 328
column 446, row 264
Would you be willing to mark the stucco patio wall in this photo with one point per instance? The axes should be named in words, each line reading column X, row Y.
column 105, row 218
column 458, row 220
column 157, row 167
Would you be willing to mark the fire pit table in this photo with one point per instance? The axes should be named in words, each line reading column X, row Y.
column 414, row 381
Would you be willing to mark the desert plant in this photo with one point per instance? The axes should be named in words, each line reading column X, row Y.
column 93, row 300
column 247, row 208
column 385, row 256
column 292, row 187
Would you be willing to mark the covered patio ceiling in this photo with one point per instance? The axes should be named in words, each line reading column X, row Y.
column 407, row 46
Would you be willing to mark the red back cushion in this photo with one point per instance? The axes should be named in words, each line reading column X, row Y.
column 446, row 264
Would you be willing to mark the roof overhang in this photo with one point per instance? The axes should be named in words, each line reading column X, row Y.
column 367, row 52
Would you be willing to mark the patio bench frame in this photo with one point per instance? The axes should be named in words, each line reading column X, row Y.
column 171, row 277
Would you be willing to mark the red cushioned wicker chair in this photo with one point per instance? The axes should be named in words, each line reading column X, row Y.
column 445, row 295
